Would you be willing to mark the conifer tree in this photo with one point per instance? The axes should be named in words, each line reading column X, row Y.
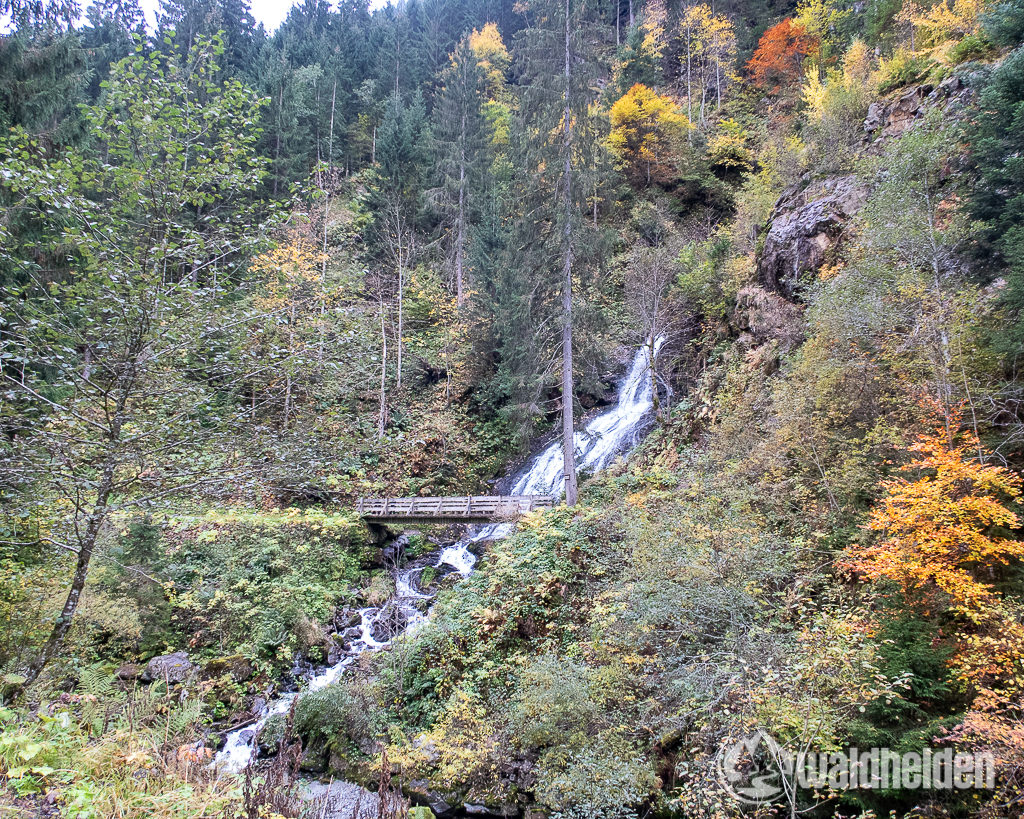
column 459, row 140
column 232, row 19
column 556, row 67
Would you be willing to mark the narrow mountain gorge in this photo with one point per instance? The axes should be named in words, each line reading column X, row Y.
column 735, row 290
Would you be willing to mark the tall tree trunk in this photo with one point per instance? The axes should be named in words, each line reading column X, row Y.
column 718, row 82
column 655, row 399
column 568, row 420
column 689, row 83
column 288, row 374
column 460, row 239
column 323, row 249
column 87, row 539
column 382, row 411
column 86, row 547
column 401, row 314
column 287, row 399
column 277, row 141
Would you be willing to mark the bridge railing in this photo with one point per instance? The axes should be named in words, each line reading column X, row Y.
column 473, row 507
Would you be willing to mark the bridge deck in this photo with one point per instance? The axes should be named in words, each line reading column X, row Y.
column 471, row 509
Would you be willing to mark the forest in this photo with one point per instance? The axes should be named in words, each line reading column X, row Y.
column 735, row 287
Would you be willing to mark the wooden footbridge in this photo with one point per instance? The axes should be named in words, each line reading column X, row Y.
column 471, row 509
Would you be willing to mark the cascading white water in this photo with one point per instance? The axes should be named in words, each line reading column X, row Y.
column 596, row 445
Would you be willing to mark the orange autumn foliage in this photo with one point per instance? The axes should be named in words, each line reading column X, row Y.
column 937, row 541
column 995, row 724
column 941, row 545
column 780, row 54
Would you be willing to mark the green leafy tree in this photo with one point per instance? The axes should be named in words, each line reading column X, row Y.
column 103, row 368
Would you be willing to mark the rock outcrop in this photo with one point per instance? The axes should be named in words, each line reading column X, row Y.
column 891, row 118
column 806, row 225
column 172, row 668
column 808, row 221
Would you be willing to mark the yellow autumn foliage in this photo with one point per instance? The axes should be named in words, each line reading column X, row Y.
column 645, row 128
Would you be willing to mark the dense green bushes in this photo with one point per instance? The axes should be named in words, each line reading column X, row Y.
column 261, row 584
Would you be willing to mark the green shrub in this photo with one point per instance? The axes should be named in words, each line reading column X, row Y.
column 597, row 781
column 971, row 47
column 1003, row 23
column 555, row 701
column 338, row 716
column 261, row 584
column 902, row 70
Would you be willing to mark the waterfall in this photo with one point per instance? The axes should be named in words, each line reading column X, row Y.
column 600, row 440
column 603, row 437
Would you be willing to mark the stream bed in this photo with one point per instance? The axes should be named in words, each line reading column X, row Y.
column 601, row 439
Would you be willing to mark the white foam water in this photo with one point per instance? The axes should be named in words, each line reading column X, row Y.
column 603, row 437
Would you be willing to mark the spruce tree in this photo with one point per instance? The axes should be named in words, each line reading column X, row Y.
column 460, row 149
column 192, row 19
column 557, row 67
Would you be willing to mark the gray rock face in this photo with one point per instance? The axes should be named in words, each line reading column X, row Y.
column 420, row 792
column 173, row 668
column 762, row 317
column 340, row 800
column 806, row 224
column 890, row 118
column 427, row 748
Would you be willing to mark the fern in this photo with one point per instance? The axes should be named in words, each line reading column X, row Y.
column 101, row 700
column 96, row 681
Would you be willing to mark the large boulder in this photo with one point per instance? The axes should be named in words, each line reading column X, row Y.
column 806, row 225
column 172, row 668
column 420, row 792
column 236, row 666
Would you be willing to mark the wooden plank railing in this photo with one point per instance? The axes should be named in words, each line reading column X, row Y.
column 469, row 509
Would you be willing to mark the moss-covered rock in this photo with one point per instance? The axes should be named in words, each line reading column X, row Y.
column 236, row 666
